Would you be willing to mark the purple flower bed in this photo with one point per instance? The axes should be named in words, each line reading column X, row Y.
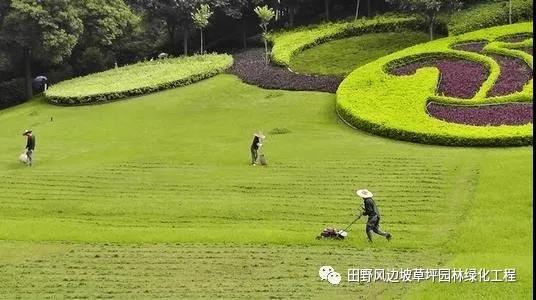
column 516, row 38
column 492, row 115
column 515, row 73
column 459, row 78
column 250, row 68
column 471, row 47
column 527, row 49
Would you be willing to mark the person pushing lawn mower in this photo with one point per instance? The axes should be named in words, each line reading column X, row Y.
column 371, row 210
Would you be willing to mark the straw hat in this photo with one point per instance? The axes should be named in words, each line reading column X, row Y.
column 364, row 193
column 259, row 134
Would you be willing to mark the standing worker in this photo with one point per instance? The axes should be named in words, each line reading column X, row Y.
column 255, row 146
column 371, row 210
column 40, row 84
column 30, row 145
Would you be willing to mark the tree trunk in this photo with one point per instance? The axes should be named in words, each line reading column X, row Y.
column 431, row 29
column 244, row 33
column 291, row 12
column 171, row 35
column 326, row 5
column 357, row 9
column 185, row 41
column 28, row 73
column 510, row 12
column 201, row 30
column 266, row 58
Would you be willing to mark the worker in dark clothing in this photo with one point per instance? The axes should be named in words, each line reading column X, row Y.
column 30, row 145
column 255, row 146
column 371, row 210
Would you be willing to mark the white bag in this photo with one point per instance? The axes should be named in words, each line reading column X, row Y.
column 23, row 158
column 262, row 159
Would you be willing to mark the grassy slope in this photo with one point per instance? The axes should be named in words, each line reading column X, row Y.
column 340, row 57
column 173, row 167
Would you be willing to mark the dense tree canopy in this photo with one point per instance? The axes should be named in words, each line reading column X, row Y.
column 428, row 8
column 44, row 30
column 66, row 38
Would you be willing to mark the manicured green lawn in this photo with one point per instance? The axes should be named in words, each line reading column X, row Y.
column 154, row 197
column 340, row 57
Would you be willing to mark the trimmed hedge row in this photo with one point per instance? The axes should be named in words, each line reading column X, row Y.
column 288, row 43
column 485, row 15
column 395, row 106
column 138, row 79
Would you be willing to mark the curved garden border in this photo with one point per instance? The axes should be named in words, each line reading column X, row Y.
column 288, row 43
column 395, row 106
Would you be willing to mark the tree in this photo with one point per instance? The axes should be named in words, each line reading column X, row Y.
column 326, row 7
column 241, row 9
column 266, row 14
column 104, row 21
column 176, row 15
column 4, row 5
column 429, row 9
column 45, row 30
column 200, row 18
column 357, row 9
column 509, row 11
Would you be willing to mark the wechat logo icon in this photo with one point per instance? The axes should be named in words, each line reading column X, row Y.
column 329, row 274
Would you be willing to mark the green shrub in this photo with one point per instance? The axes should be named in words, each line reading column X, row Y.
column 279, row 131
column 12, row 92
column 137, row 79
column 395, row 106
column 288, row 43
column 489, row 14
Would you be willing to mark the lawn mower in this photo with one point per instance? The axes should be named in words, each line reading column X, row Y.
column 333, row 233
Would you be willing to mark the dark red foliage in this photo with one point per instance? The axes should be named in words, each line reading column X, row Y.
column 516, row 38
column 515, row 73
column 250, row 67
column 493, row 115
column 527, row 49
column 459, row 78
column 470, row 47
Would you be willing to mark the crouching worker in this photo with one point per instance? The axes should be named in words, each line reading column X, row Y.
column 255, row 146
column 371, row 210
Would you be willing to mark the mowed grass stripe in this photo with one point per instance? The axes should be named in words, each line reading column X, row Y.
column 92, row 185
column 117, row 271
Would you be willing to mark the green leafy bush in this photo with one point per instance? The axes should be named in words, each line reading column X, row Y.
column 288, row 43
column 395, row 106
column 489, row 14
column 137, row 79
column 12, row 92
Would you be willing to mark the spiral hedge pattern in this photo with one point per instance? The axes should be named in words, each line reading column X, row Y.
column 473, row 89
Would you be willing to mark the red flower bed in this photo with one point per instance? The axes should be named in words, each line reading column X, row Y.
column 250, row 68
column 527, row 49
column 492, row 115
column 516, row 38
column 515, row 73
column 471, row 47
column 459, row 78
